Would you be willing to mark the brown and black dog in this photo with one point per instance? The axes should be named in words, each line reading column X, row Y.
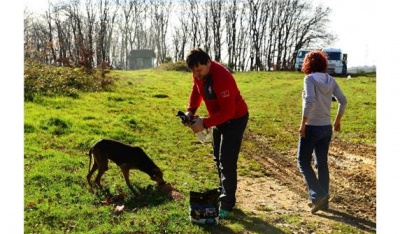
column 125, row 156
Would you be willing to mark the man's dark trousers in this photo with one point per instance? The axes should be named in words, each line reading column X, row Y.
column 227, row 139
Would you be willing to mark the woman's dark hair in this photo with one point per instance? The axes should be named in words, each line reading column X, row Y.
column 196, row 57
column 315, row 61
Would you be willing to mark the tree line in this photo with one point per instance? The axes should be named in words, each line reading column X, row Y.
column 252, row 35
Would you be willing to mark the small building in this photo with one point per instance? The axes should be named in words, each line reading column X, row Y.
column 141, row 59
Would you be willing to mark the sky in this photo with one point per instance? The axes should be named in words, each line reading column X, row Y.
column 366, row 31
column 353, row 23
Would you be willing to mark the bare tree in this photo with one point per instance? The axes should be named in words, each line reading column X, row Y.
column 206, row 27
column 102, row 31
column 50, row 34
column 251, row 34
column 28, row 37
column 110, row 32
column 280, row 21
column 35, row 38
column 310, row 26
column 259, row 11
column 142, row 32
column 132, row 11
column 107, row 15
column 216, row 16
column 181, row 32
column 161, row 11
column 81, row 54
column 194, row 23
column 90, row 23
column 64, row 44
column 180, row 39
column 292, row 13
column 231, row 22
column 242, row 50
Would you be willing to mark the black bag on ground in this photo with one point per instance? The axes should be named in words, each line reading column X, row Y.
column 204, row 207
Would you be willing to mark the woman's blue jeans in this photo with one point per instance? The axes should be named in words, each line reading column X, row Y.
column 317, row 140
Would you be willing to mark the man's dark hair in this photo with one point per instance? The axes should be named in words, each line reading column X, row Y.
column 196, row 57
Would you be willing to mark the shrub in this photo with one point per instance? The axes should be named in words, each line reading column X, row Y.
column 182, row 66
column 177, row 66
column 41, row 79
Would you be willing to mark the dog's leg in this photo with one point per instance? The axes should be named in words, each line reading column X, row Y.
column 102, row 169
column 89, row 175
column 125, row 171
column 101, row 162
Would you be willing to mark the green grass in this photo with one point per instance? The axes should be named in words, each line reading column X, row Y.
column 141, row 111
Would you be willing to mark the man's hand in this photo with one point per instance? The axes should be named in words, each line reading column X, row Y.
column 198, row 125
column 186, row 118
column 190, row 118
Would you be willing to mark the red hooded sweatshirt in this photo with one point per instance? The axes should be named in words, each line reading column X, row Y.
column 220, row 94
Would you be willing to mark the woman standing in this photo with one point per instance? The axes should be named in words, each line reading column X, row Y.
column 316, row 128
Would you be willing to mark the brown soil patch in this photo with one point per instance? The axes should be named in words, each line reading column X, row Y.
column 353, row 186
column 169, row 190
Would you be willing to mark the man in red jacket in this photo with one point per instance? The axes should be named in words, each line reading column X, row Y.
column 227, row 114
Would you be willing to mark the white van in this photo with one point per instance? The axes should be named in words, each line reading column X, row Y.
column 299, row 58
column 337, row 61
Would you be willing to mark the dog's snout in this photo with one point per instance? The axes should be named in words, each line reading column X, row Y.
column 158, row 177
column 162, row 183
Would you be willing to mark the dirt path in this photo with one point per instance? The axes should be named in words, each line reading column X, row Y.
column 353, row 187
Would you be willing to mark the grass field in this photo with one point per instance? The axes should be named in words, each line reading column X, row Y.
column 140, row 110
